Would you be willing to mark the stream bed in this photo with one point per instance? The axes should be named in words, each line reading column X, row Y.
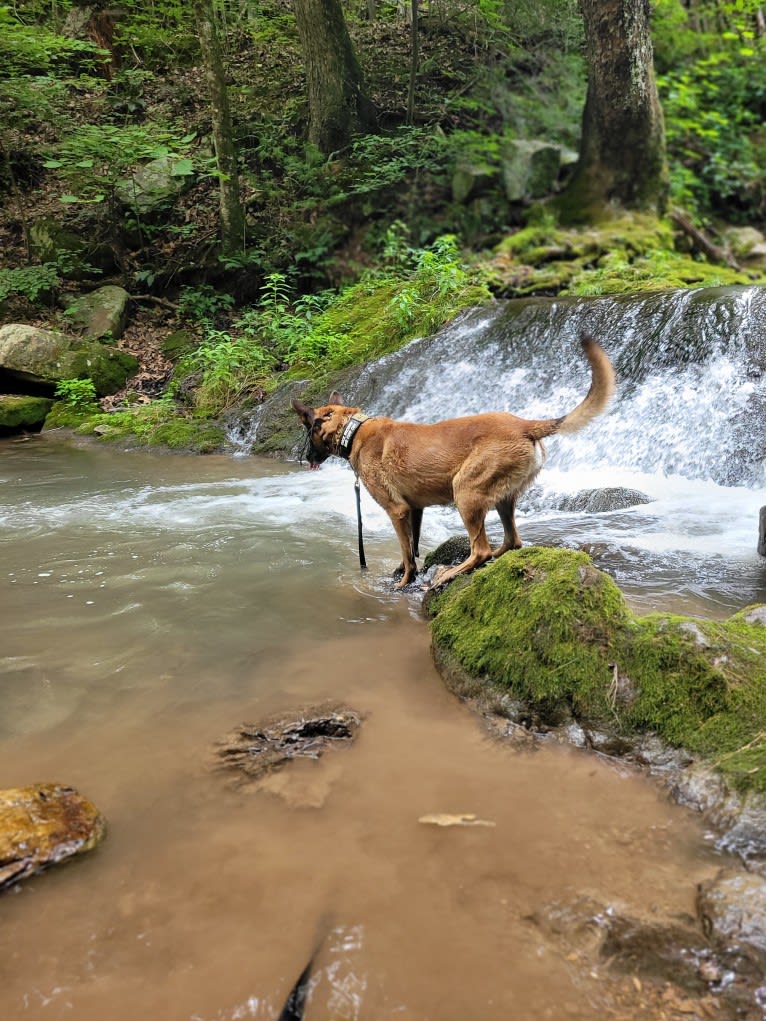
column 152, row 602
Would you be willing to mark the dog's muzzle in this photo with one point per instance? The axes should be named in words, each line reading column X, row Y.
column 311, row 452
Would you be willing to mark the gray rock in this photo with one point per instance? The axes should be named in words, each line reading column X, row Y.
column 49, row 240
column 598, row 501
column 44, row 358
column 530, row 169
column 101, row 313
column 471, row 179
column 748, row 246
column 733, row 907
column 151, row 186
column 755, row 615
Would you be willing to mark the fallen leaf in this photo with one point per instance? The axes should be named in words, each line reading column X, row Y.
column 444, row 819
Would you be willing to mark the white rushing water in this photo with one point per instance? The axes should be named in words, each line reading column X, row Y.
column 686, row 429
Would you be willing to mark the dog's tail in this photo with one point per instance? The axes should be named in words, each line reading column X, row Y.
column 598, row 397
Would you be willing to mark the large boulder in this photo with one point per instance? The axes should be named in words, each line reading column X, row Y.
column 18, row 411
column 41, row 825
column 544, row 637
column 748, row 246
column 43, row 358
column 471, row 178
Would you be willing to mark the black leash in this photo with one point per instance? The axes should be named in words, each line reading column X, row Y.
column 362, row 561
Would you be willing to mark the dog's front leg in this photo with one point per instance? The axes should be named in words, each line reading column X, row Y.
column 402, row 520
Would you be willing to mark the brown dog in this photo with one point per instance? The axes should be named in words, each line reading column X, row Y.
column 476, row 462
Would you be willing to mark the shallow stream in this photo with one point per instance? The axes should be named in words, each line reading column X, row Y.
column 152, row 602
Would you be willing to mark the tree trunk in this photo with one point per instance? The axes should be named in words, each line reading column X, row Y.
column 338, row 102
column 622, row 153
column 232, row 216
column 414, row 61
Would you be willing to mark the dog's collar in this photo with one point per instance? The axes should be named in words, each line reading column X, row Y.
column 349, row 432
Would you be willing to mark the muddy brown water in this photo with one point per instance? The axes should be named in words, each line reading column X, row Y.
column 150, row 604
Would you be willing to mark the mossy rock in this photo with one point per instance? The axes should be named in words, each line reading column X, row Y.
column 64, row 415
column 41, row 825
column 546, row 629
column 20, row 410
column 633, row 252
column 155, row 426
column 44, row 358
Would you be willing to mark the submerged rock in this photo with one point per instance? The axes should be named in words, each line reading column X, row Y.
column 677, row 964
column 255, row 750
column 41, row 825
column 599, row 501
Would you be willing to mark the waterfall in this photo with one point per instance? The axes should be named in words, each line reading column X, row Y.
column 691, row 365
column 679, row 457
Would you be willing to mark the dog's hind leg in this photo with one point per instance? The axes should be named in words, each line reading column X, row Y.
column 473, row 514
column 506, row 509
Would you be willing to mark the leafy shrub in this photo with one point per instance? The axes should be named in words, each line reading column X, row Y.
column 93, row 159
column 713, row 90
column 230, row 367
column 31, row 282
column 202, row 304
column 77, row 394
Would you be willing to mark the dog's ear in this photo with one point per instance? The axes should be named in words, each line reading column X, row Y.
column 305, row 413
column 335, row 398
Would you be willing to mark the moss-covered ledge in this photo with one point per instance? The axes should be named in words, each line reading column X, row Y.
column 549, row 640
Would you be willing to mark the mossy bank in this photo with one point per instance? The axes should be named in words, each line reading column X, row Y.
column 547, row 639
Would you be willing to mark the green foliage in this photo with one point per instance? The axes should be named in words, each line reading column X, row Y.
column 35, row 50
column 31, row 282
column 713, row 91
column 94, row 158
column 36, row 65
column 416, row 291
column 202, row 304
column 230, row 369
column 383, row 161
column 159, row 35
column 78, row 395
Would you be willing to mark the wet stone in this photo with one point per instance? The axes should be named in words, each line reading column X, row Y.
column 255, row 750
column 42, row 825
column 732, row 907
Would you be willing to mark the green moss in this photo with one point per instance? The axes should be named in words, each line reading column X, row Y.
column 549, row 629
column 65, row 415
column 154, row 425
column 374, row 318
column 501, row 626
column 17, row 411
column 629, row 253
